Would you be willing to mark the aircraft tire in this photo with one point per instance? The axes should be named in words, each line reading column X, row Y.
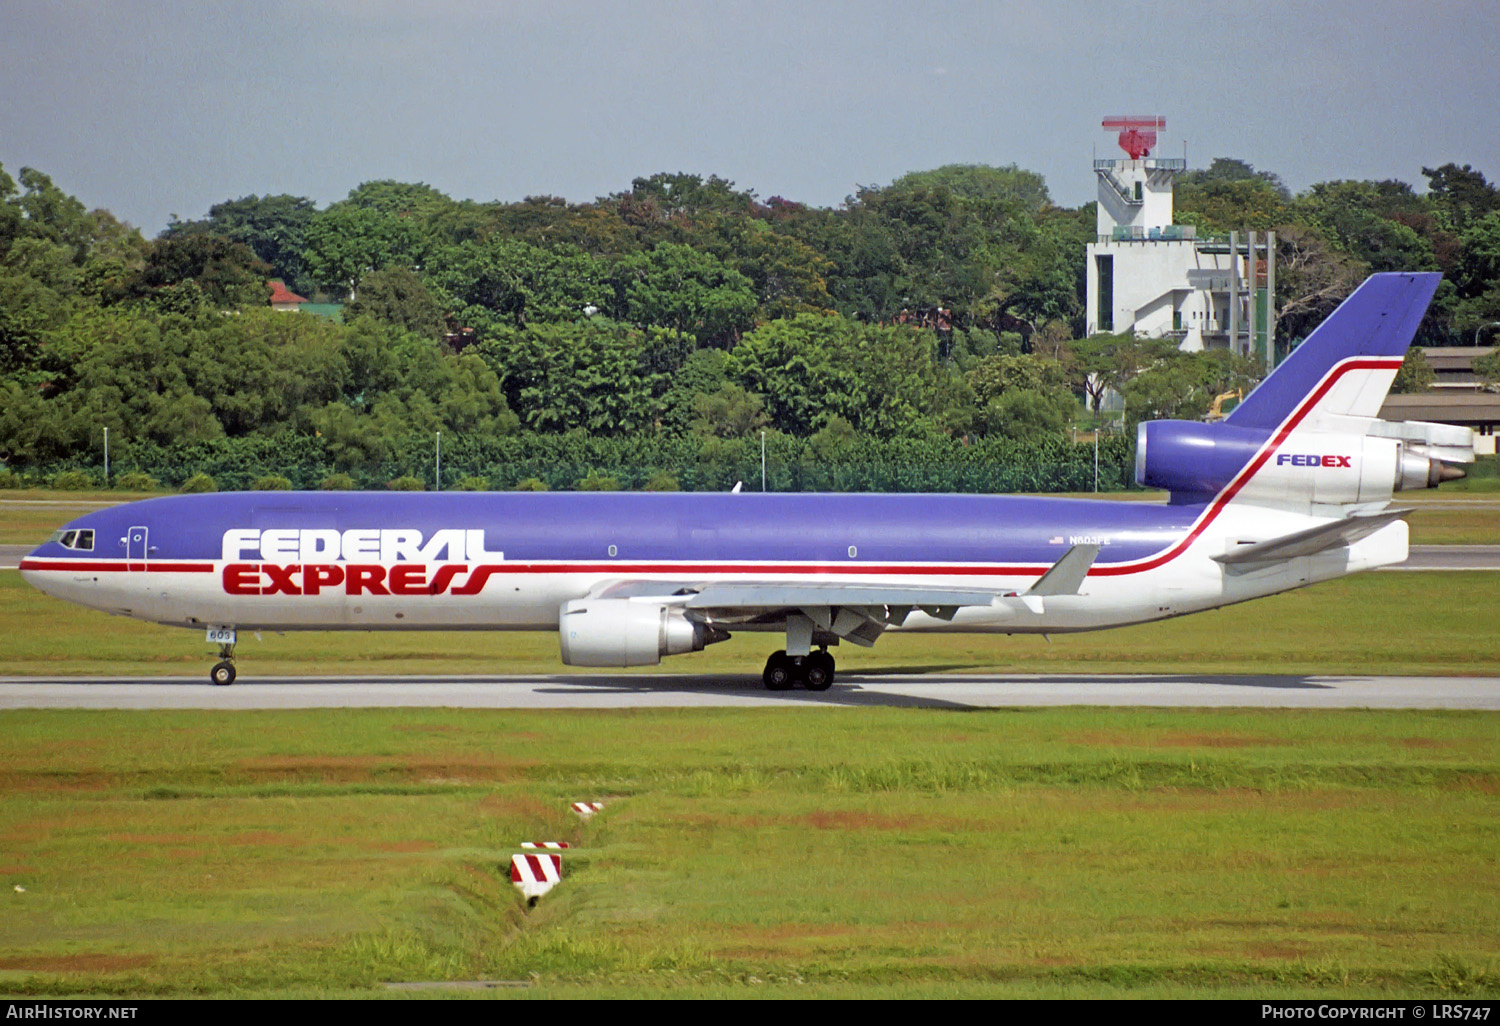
column 778, row 672
column 818, row 672
column 222, row 674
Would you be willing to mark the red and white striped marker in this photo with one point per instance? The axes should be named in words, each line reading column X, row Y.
column 587, row 809
column 535, row 875
column 545, row 844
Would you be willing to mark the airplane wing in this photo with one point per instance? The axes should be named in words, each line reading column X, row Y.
column 856, row 613
column 859, row 613
column 1314, row 539
column 783, row 596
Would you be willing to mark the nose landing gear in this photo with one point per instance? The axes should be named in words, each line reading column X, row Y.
column 813, row 671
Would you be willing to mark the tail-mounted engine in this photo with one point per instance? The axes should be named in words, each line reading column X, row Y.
column 1366, row 464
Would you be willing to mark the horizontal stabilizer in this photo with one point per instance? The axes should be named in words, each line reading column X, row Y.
column 1451, row 443
column 1067, row 574
column 729, row 595
column 1314, row 539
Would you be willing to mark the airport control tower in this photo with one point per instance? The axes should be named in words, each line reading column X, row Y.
column 1160, row 279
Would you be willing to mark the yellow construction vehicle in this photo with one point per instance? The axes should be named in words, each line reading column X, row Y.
column 1216, row 411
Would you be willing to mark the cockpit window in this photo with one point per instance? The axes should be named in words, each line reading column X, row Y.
column 85, row 540
column 82, row 541
column 68, row 539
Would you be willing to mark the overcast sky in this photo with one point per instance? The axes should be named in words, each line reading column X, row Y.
column 159, row 108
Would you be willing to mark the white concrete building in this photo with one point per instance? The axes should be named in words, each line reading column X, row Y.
column 1159, row 280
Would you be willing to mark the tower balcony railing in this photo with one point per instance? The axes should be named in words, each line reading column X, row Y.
column 1220, row 243
column 1140, row 233
column 1149, row 163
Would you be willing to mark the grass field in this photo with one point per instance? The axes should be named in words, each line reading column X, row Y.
column 1471, row 518
column 29, row 517
column 810, row 852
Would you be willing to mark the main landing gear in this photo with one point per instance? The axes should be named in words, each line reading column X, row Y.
column 813, row 671
column 223, row 671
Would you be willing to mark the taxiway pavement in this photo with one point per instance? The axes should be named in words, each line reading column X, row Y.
column 631, row 691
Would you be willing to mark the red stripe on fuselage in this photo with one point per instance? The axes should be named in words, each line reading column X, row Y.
column 134, row 566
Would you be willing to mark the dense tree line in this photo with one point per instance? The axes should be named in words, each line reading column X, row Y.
column 930, row 319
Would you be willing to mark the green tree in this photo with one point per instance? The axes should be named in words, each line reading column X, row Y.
column 677, row 287
column 12, row 220
column 1182, row 386
column 787, row 275
column 809, row 368
column 1025, row 414
column 1168, row 392
column 731, row 412
column 1479, row 266
column 702, row 372
column 1021, row 397
column 29, row 313
column 1461, row 194
column 1487, row 369
column 273, row 227
column 415, row 200
column 684, row 195
column 1361, row 218
column 1231, row 169
column 347, row 242
column 116, row 255
column 1312, row 279
column 52, row 214
column 227, row 273
column 1415, row 375
column 505, row 280
column 1102, row 362
column 993, row 376
column 601, row 376
column 1008, row 185
column 398, row 296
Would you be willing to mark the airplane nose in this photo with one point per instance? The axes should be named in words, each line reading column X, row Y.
column 25, row 561
column 33, row 564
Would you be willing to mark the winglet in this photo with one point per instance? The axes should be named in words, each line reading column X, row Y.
column 1067, row 574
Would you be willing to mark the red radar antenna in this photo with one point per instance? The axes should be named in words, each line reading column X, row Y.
column 1137, row 132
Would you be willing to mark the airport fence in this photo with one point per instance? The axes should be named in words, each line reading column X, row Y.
column 572, row 462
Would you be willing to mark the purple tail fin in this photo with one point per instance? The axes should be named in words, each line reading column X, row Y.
column 1365, row 338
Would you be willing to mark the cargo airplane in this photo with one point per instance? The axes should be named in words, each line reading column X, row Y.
column 1294, row 486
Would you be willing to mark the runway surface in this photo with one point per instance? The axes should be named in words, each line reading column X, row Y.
column 1423, row 557
column 600, row 691
column 1451, row 557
